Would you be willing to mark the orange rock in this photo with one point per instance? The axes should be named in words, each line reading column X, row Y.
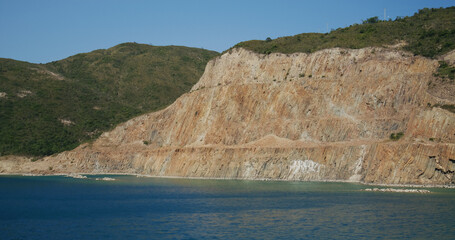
column 321, row 116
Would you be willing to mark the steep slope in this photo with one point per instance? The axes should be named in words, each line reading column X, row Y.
column 49, row 108
column 328, row 115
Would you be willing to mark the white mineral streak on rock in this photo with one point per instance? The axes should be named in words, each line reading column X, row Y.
column 249, row 171
column 97, row 166
column 358, row 166
column 298, row 168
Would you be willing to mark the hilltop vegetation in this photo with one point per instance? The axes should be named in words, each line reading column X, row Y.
column 430, row 32
column 49, row 108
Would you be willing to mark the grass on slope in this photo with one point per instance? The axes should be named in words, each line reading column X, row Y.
column 430, row 32
column 49, row 108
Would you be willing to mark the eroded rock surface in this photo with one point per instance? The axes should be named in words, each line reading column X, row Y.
column 321, row 116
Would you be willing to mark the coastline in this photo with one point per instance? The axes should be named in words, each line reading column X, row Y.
column 77, row 175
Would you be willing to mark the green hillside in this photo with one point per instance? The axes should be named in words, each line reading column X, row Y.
column 49, row 108
column 430, row 32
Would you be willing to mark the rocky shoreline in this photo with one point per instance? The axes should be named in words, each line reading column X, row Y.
column 375, row 187
column 396, row 190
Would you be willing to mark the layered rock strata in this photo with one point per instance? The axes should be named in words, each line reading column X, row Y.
column 321, row 116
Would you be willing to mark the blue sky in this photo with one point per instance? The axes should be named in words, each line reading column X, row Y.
column 44, row 31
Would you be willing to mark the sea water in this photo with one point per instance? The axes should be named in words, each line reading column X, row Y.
column 58, row 207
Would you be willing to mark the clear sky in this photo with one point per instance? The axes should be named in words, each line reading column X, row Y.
column 43, row 31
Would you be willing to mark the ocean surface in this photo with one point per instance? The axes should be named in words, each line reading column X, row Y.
column 58, row 207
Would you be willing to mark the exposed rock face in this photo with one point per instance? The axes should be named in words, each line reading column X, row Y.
column 321, row 116
column 449, row 57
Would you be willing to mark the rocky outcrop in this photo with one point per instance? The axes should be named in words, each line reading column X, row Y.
column 321, row 116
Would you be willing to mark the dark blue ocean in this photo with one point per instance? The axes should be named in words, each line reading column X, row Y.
column 57, row 207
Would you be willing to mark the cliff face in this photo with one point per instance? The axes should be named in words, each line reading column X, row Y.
column 321, row 116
